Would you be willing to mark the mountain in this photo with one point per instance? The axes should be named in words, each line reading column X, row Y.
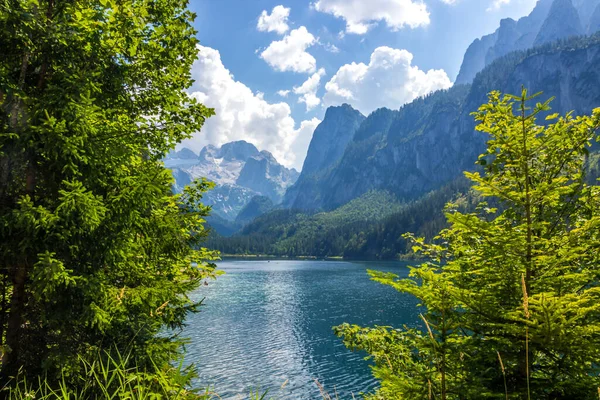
column 266, row 176
column 331, row 137
column 586, row 9
column 562, row 21
column 240, row 172
column 550, row 20
column 327, row 146
column 257, row 206
column 594, row 22
column 368, row 227
column 430, row 141
column 475, row 58
column 183, row 154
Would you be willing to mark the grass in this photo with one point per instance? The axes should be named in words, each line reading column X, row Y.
column 109, row 377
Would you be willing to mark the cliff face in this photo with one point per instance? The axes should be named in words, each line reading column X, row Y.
column 240, row 172
column 331, row 137
column 474, row 59
column 327, row 146
column 550, row 20
column 432, row 140
column 416, row 153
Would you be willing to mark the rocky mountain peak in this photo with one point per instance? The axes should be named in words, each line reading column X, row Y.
column 594, row 23
column 183, row 154
column 331, row 137
column 586, row 10
column 562, row 22
column 238, row 150
column 329, row 141
column 240, row 171
column 550, row 20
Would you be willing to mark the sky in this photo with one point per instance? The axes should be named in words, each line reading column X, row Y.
column 270, row 68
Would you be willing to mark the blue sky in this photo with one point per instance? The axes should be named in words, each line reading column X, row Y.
column 369, row 53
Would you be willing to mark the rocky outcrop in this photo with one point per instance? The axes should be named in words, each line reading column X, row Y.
column 331, row 137
column 183, row 154
column 265, row 175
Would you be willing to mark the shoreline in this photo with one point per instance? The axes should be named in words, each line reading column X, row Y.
column 314, row 258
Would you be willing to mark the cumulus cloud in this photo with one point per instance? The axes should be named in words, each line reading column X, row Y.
column 360, row 15
column 389, row 80
column 283, row 93
column 289, row 54
column 242, row 114
column 276, row 22
column 497, row 4
column 331, row 48
column 308, row 90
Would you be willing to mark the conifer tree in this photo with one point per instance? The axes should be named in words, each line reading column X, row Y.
column 96, row 253
column 510, row 295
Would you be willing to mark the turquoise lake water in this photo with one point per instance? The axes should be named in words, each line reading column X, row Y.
column 268, row 322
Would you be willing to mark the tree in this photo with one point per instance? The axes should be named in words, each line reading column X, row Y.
column 96, row 252
column 511, row 295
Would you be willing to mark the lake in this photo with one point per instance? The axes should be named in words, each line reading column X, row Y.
column 269, row 322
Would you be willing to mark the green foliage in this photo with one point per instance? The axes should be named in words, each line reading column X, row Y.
column 510, row 298
column 95, row 250
column 111, row 376
column 293, row 233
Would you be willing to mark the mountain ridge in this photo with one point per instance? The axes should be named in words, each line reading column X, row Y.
column 549, row 20
column 430, row 141
column 240, row 172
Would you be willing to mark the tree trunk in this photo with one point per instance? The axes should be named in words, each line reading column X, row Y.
column 10, row 363
column 11, row 359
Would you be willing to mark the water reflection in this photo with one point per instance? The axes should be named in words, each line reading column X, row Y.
column 265, row 323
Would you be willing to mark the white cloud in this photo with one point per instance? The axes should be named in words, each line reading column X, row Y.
column 518, row 7
column 276, row 22
column 389, row 80
column 289, row 54
column 497, row 4
column 332, row 48
column 451, row 2
column 242, row 114
column 283, row 93
column 308, row 90
column 360, row 15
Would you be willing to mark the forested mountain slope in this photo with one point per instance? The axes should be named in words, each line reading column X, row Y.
column 368, row 227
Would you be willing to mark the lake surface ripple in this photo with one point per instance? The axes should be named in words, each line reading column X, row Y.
column 269, row 322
